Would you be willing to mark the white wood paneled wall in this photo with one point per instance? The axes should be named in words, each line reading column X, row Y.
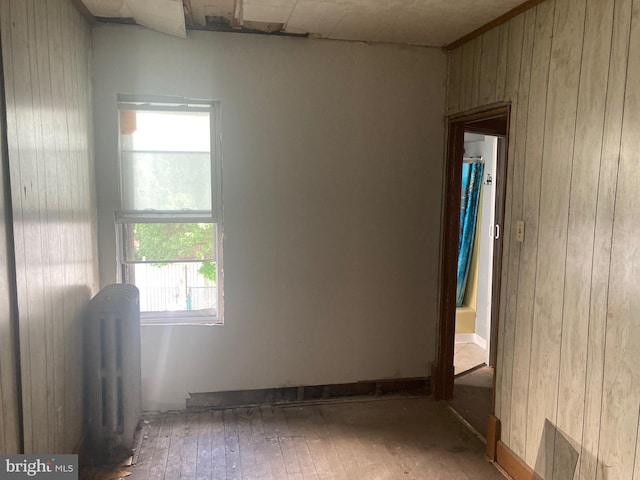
column 569, row 335
column 9, row 420
column 46, row 54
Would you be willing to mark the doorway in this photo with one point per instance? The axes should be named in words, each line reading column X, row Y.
column 478, row 231
column 490, row 126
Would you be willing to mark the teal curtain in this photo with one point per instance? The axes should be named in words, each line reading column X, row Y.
column 471, row 178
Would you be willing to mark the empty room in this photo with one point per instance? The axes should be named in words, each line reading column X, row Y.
column 305, row 239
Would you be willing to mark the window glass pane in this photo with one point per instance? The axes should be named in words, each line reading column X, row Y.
column 175, row 287
column 166, row 160
column 166, row 283
column 168, row 243
column 166, row 181
column 162, row 242
column 170, row 131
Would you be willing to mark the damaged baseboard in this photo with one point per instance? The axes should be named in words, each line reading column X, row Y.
column 513, row 465
column 268, row 396
column 506, row 461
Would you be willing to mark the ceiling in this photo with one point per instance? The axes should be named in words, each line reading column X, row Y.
column 413, row 22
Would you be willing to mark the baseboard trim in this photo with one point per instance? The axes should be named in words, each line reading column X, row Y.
column 471, row 338
column 512, row 464
column 498, row 453
column 493, row 436
column 266, row 396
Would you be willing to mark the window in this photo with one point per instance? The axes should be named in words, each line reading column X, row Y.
column 170, row 217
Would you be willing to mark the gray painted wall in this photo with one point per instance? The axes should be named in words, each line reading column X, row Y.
column 333, row 160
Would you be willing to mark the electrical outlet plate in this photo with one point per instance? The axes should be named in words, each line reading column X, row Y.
column 520, row 231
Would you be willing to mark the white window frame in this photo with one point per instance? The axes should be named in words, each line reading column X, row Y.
column 215, row 216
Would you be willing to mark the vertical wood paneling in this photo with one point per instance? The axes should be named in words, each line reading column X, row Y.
column 453, row 90
column 489, row 66
column 43, row 126
column 18, row 135
column 636, row 464
column 522, row 312
column 552, row 229
column 515, row 29
column 582, row 217
column 621, row 396
column 46, row 62
column 515, row 50
column 569, row 331
column 501, row 68
column 607, row 185
column 52, row 195
column 475, row 83
column 73, row 247
column 466, row 74
column 56, row 176
column 9, row 427
column 526, row 89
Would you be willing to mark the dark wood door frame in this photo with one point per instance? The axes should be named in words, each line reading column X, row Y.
column 493, row 121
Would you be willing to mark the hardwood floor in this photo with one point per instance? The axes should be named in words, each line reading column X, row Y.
column 394, row 438
column 472, row 393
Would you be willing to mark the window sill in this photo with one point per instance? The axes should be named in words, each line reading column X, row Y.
column 179, row 318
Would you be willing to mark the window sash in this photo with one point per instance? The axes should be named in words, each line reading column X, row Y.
column 167, row 103
column 214, row 216
column 164, row 216
column 181, row 104
column 198, row 312
column 127, row 241
column 213, row 316
column 165, row 180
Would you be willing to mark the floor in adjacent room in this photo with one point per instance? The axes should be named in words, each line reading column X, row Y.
column 467, row 356
column 372, row 438
column 472, row 392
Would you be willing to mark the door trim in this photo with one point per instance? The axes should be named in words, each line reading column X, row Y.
column 491, row 121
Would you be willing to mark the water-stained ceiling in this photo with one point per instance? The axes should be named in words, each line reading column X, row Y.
column 413, row 22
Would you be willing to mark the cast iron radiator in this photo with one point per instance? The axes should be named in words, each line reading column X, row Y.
column 113, row 373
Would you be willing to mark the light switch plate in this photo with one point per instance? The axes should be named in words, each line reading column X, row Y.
column 520, row 231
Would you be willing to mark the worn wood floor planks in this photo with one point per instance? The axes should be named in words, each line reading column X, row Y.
column 409, row 438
